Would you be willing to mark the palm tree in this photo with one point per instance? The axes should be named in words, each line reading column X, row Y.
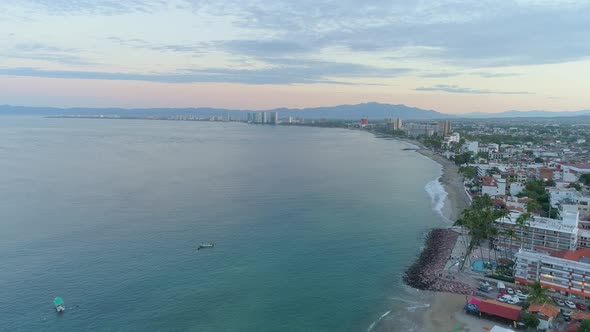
column 479, row 220
column 521, row 222
column 537, row 294
column 511, row 235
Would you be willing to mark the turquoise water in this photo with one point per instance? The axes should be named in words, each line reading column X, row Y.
column 479, row 265
column 313, row 227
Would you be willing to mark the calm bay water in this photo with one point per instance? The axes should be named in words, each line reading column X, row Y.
column 313, row 227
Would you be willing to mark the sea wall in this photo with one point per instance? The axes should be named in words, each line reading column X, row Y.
column 427, row 273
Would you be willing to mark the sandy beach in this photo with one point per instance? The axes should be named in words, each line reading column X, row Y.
column 445, row 313
column 452, row 181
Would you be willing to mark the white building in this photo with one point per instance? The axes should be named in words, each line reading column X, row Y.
column 566, row 271
column 516, row 188
column 541, row 234
column 493, row 186
column 472, row 146
column 572, row 172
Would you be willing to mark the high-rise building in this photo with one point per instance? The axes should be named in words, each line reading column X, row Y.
column 258, row 117
column 364, row 121
column 444, row 127
column 274, row 117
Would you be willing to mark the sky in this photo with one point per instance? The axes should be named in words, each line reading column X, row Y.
column 450, row 56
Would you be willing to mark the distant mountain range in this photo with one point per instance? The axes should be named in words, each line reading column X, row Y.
column 370, row 110
column 526, row 114
column 376, row 111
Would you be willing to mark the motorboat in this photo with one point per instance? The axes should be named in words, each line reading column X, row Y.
column 205, row 245
column 59, row 304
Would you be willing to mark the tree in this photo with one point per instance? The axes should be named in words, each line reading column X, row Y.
column 479, row 219
column 537, row 294
column 468, row 171
column 530, row 320
column 585, row 179
column 576, row 186
column 539, row 160
column 585, row 326
column 463, row 158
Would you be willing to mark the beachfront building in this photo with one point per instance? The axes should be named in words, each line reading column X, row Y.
column 566, row 271
column 541, row 234
column 493, row 186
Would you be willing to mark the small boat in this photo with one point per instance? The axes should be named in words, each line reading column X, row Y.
column 205, row 245
column 59, row 304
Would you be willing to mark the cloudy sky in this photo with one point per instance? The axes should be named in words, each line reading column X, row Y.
column 451, row 56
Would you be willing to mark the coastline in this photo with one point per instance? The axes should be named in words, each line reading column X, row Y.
column 452, row 181
column 445, row 309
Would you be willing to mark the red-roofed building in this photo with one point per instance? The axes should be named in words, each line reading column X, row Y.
column 498, row 309
column 546, row 313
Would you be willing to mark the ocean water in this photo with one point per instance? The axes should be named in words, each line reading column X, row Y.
column 313, row 227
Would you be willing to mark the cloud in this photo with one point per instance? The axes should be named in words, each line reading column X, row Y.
column 458, row 89
column 460, row 73
column 441, row 75
column 468, row 34
column 289, row 72
column 99, row 7
column 143, row 44
column 45, row 52
column 493, row 75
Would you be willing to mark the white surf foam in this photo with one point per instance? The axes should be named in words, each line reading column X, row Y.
column 378, row 320
column 438, row 195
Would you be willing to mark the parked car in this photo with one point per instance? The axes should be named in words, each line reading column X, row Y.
column 485, row 289
column 510, row 291
column 513, row 301
column 559, row 302
column 580, row 306
column 570, row 304
column 518, row 292
column 503, row 292
column 566, row 313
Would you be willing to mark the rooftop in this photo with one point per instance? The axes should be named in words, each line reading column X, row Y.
column 579, row 255
column 545, row 309
column 499, row 309
column 542, row 223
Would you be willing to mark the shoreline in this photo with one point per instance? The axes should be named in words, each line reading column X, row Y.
column 449, row 297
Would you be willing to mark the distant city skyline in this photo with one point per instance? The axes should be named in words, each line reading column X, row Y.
column 452, row 57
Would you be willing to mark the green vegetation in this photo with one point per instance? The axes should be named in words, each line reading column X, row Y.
column 530, row 320
column 433, row 141
column 585, row 326
column 585, row 179
column 539, row 160
column 479, row 219
column 576, row 186
column 537, row 294
column 468, row 171
column 463, row 158
column 538, row 199
column 500, row 277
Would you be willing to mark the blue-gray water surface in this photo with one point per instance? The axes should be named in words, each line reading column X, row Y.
column 313, row 227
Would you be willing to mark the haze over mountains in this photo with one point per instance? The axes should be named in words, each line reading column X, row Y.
column 371, row 110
